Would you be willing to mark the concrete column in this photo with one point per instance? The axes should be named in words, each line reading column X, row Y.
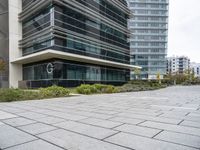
column 15, row 34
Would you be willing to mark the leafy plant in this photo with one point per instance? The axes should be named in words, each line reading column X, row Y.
column 141, row 85
column 54, row 91
column 96, row 88
column 9, row 95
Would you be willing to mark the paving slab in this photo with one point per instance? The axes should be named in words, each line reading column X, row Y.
column 101, row 122
column 151, row 118
column 143, row 143
column 5, row 115
column 31, row 115
column 174, row 128
column 18, row 121
column 73, row 141
column 143, row 131
column 50, row 120
column 10, row 136
column 35, row 145
column 88, row 130
column 127, row 120
column 37, row 128
column 184, row 139
column 65, row 115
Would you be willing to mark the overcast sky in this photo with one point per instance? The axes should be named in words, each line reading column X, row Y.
column 184, row 28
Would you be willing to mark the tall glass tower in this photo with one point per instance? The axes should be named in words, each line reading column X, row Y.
column 148, row 42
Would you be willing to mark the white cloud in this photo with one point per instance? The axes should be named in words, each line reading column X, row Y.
column 184, row 28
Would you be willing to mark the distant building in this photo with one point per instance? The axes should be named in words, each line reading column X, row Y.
column 148, row 42
column 196, row 69
column 178, row 65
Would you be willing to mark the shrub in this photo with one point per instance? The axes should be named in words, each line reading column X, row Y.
column 141, row 85
column 100, row 87
column 86, row 89
column 54, row 91
column 109, row 89
column 9, row 95
column 96, row 88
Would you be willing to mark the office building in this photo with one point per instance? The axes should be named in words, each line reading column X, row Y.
column 4, row 42
column 149, row 36
column 66, row 42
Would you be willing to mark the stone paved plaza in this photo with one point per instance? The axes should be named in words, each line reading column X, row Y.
column 167, row 119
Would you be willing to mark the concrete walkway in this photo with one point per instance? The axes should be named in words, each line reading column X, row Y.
column 167, row 119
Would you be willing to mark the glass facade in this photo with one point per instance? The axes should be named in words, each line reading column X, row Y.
column 4, row 43
column 73, row 72
column 63, row 26
column 148, row 41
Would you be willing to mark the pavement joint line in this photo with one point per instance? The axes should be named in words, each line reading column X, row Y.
column 104, row 113
column 93, row 124
column 159, row 114
column 157, row 134
column 180, row 122
column 187, row 113
column 141, row 122
column 118, row 145
column 119, row 125
column 46, row 131
column 110, row 135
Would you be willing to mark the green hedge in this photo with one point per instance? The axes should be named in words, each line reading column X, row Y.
column 141, row 85
column 9, row 95
column 95, row 89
